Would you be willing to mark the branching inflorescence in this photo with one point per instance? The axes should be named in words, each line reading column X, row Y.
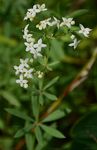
column 35, row 46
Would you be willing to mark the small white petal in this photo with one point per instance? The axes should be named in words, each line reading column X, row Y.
column 25, row 85
column 84, row 31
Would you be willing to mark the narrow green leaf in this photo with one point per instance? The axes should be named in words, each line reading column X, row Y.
column 35, row 107
column 51, row 83
column 40, row 84
column 10, row 98
column 19, row 114
column 41, row 100
column 78, row 13
column 30, row 141
column 38, row 134
column 28, row 126
column 50, row 96
column 19, row 133
column 54, row 63
column 51, row 131
column 57, row 52
column 39, row 146
column 54, row 116
column 46, row 139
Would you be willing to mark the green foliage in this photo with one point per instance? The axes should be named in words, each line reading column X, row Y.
column 29, row 141
column 50, row 96
column 52, row 131
column 84, row 132
column 78, row 13
column 42, row 91
column 58, row 114
column 29, row 116
column 10, row 98
column 51, row 83
column 38, row 135
column 19, row 114
column 86, row 126
column 19, row 133
column 35, row 107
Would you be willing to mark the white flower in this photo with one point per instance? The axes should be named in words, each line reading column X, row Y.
column 35, row 8
column 74, row 44
column 55, row 22
column 26, row 36
column 37, row 54
column 35, row 49
column 22, row 82
column 43, row 24
column 19, row 69
column 30, row 47
column 39, row 45
column 42, row 7
column 67, row 22
column 28, row 73
column 26, row 29
column 84, row 31
column 31, row 13
column 24, row 62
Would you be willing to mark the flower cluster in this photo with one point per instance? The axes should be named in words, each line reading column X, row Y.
column 31, row 13
column 54, row 21
column 35, row 47
column 31, row 46
column 24, row 71
column 84, row 31
column 68, row 22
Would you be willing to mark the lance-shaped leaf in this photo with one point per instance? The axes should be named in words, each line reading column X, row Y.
column 51, row 83
column 28, row 126
column 41, row 100
column 19, row 133
column 78, row 13
column 55, row 116
column 51, row 131
column 50, row 96
column 35, row 107
column 19, row 114
column 38, row 134
column 10, row 98
column 30, row 141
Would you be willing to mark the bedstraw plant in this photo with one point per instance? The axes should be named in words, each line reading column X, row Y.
column 33, row 70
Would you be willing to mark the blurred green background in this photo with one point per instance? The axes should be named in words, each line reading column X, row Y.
column 81, row 101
